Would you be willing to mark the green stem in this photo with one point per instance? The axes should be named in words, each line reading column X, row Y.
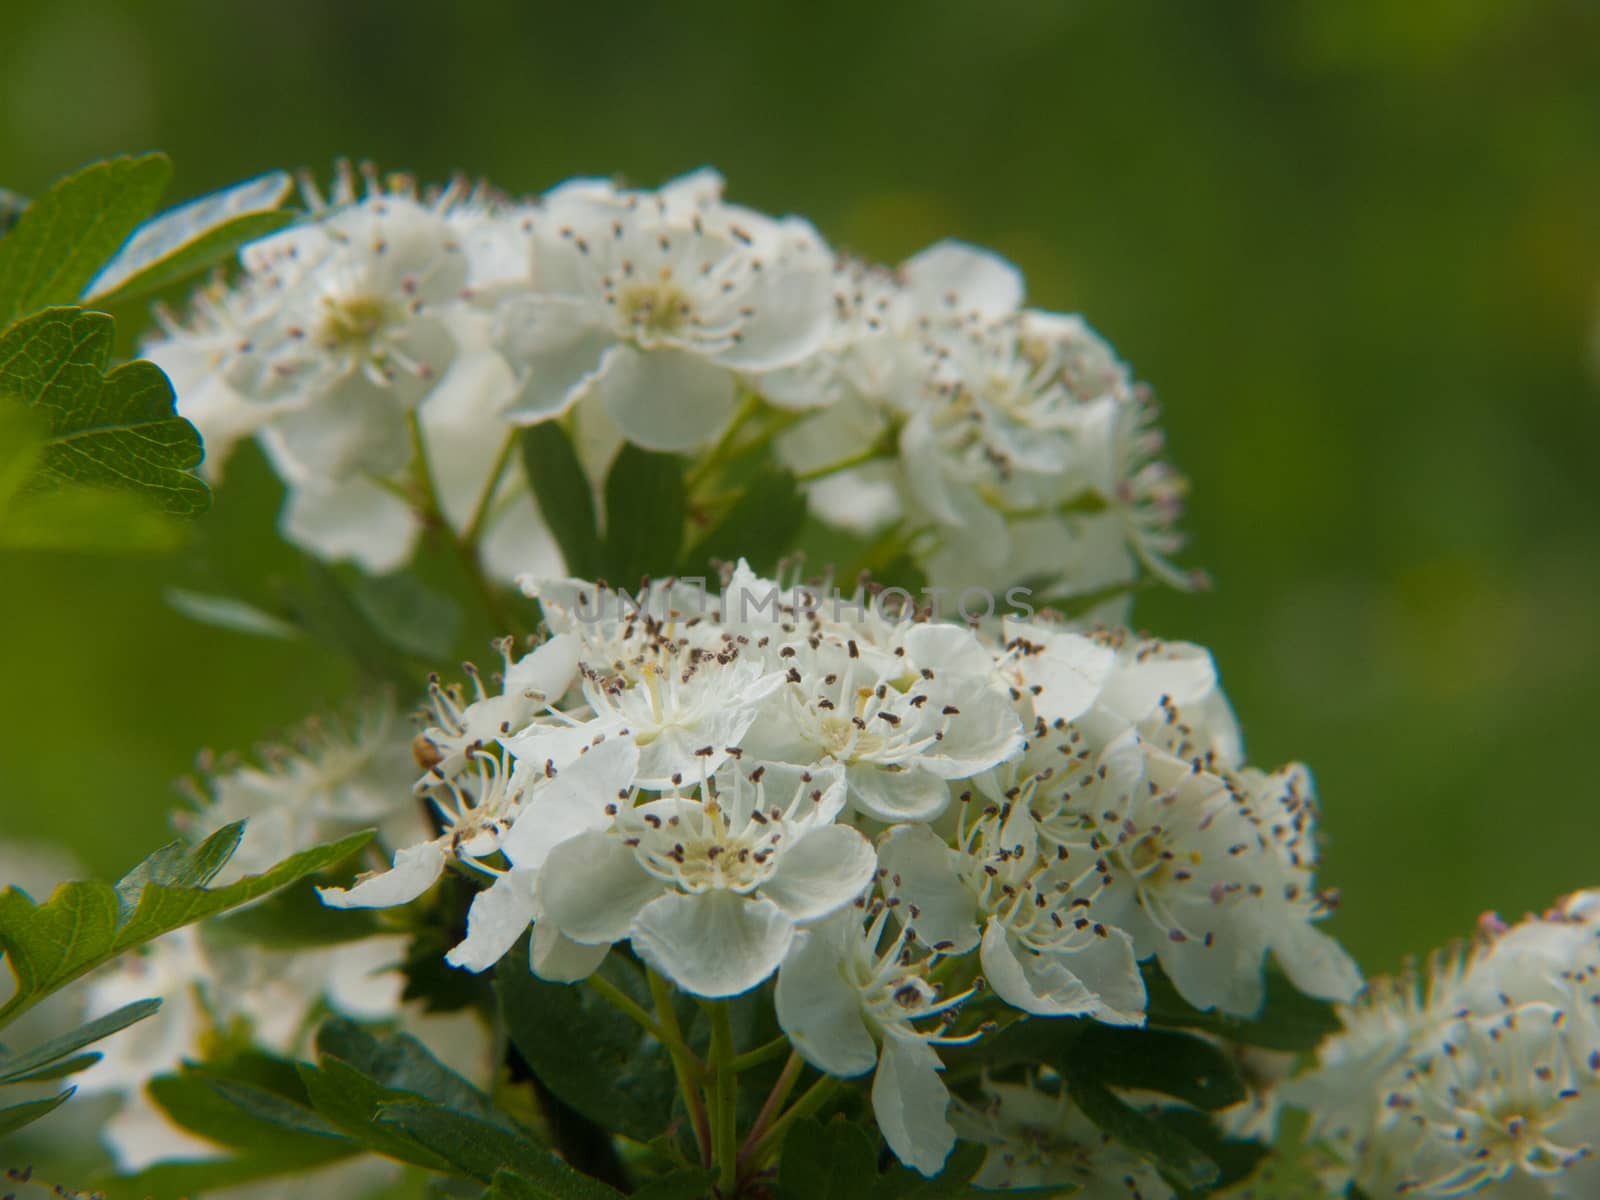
column 466, row 553
column 625, row 1004
column 480, row 511
column 868, row 453
column 687, row 1068
column 810, row 1102
column 713, row 458
column 774, row 1102
column 725, row 1120
column 761, row 1054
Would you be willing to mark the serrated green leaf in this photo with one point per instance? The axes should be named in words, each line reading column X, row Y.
column 18, row 1115
column 1144, row 1135
column 645, row 506
column 1175, row 1064
column 192, row 237
column 481, row 1150
column 178, row 864
column 586, row 1052
column 351, row 1100
column 836, row 1161
column 762, row 526
column 688, row 1183
column 250, row 1118
column 293, row 919
column 229, row 612
column 401, row 1063
column 116, row 430
column 1289, row 1020
column 84, row 924
column 28, row 1064
column 65, row 236
column 561, row 488
column 508, row 1185
column 272, row 1109
column 180, row 1180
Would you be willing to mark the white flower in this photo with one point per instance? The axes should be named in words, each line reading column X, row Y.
column 653, row 303
column 850, row 998
column 1038, row 1138
column 710, row 889
column 333, row 778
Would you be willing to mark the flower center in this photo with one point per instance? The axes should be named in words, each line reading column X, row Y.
column 654, row 309
column 352, row 322
column 694, row 847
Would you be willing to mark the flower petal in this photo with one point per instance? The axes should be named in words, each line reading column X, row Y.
column 912, row 794
column 573, row 802
column 820, row 1009
column 556, row 958
column 497, row 918
column 909, row 1100
column 715, row 943
column 1100, row 980
column 415, row 870
column 354, row 519
column 666, row 399
column 923, row 871
column 821, row 872
column 954, row 276
column 558, row 348
column 595, row 888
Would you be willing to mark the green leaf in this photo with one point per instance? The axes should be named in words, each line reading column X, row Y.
column 351, row 1100
column 1143, row 1134
column 1289, row 1020
column 110, row 430
column 1175, row 1064
column 293, row 919
column 481, row 1150
column 687, row 1183
column 185, row 240
column 270, row 1108
column 177, row 864
column 180, row 1180
column 645, row 507
column 66, row 235
column 762, row 526
column 327, row 609
column 401, row 1063
column 590, row 1055
column 12, row 206
column 190, row 1098
column 229, row 612
column 83, row 925
column 952, row 1183
column 561, row 487
column 510, row 1185
column 18, row 1115
column 409, row 614
column 1236, row 1158
column 28, row 1064
column 836, row 1161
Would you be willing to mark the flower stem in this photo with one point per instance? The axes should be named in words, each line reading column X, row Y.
column 761, row 1054
column 687, row 1068
column 434, row 515
column 473, row 533
column 810, row 1102
column 774, row 1102
column 713, row 458
column 725, row 1120
column 625, row 1004
column 881, row 448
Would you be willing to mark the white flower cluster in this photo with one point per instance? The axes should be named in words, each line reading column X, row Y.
column 874, row 808
column 1003, row 440
column 1485, row 1080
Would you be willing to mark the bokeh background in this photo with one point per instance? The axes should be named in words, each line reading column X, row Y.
column 1355, row 247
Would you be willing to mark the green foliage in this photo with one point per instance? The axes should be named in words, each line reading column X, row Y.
column 761, row 526
column 585, row 1051
column 1289, row 1020
column 836, row 1161
column 106, row 430
column 1186, row 1068
column 65, row 237
column 510, row 1185
column 83, row 925
column 16, row 1116
column 186, row 240
column 645, row 507
column 1179, row 1159
column 561, row 487
column 47, row 1061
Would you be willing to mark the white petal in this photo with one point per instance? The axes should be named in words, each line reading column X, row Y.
column 987, row 732
column 713, row 944
column 923, row 871
column 415, row 870
column 1224, row 975
column 497, row 918
column 556, row 958
column 359, row 428
column 909, row 1100
column 666, row 399
column 1316, row 964
column 948, row 647
column 1071, row 669
column 1183, row 673
column 820, row 1009
column 822, row 872
column 558, row 347
column 1102, row 980
column 911, row 794
column 573, row 802
column 964, row 279
column 595, row 888
column 355, row 520
column 792, row 303
column 548, row 671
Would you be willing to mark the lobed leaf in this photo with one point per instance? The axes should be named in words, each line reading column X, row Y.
column 116, row 430
column 65, row 236
column 86, row 924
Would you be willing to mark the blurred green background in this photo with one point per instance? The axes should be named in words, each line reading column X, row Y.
column 1355, row 247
